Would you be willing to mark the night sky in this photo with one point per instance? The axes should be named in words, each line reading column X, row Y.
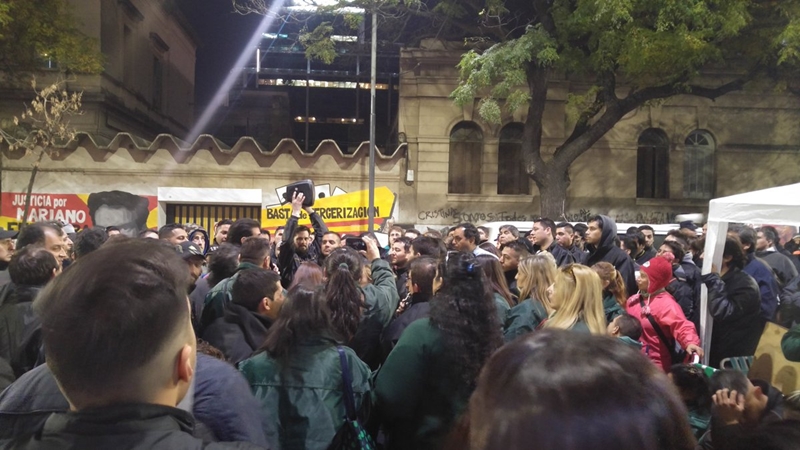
column 223, row 34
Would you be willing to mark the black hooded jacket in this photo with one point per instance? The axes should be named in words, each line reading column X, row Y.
column 609, row 252
column 238, row 333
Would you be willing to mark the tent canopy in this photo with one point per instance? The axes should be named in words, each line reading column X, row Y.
column 775, row 206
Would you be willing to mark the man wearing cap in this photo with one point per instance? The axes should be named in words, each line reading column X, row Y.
column 6, row 252
column 193, row 256
column 688, row 228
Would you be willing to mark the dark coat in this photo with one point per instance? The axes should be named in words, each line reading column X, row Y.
column 562, row 256
column 767, row 285
column 197, row 298
column 523, row 319
column 238, row 333
column 219, row 296
column 734, row 303
column 611, row 308
column 607, row 251
column 683, row 294
column 420, row 308
column 726, row 436
column 133, row 426
column 647, row 255
column 781, row 265
column 222, row 402
column 20, row 329
column 402, row 276
column 288, row 259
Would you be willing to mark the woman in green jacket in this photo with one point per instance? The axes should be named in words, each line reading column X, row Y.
column 430, row 374
column 614, row 295
column 536, row 273
column 297, row 376
column 503, row 298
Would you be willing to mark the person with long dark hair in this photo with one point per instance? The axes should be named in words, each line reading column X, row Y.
column 297, row 374
column 503, row 299
column 561, row 390
column 360, row 310
column 428, row 377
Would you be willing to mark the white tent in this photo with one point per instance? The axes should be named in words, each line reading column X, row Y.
column 774, row 206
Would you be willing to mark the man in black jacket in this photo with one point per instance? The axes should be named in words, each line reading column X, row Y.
column 121, row 346
column 544, row 239
column 600, row 241
column 298, row 245
column 420, row 284
column 31, row 268
column 256, row 300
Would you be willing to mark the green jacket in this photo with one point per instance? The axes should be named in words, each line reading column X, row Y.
column 219, row 295
column 790, row 344
column 611, row 307
column 302, row 401
column 416, row 402
column 523, row 318
column 631, row 343
column 502, row 308
column 381, row 295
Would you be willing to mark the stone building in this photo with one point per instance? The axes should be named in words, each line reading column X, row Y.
column 147, row 86
column 659, row 161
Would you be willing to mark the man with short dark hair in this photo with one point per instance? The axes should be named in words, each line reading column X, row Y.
column 510, row 256
column 399, row 259
column 465, row 239
column 421, row 274
column 427, row 246
column 600, row 235
column 639, row 254
column 411, row 233
column 579, row 238
column 31, row 268
column 759, row 270
column 192, row 255
column 300, row 246
column 88, row 241
column 254, row 254
column 330, row 242
column 766, row 249
column 688, row 228
column 121, row 346
column 565, row 237
column 544, row 239
column 483, row 234
column 243, row 229
column 220, row 234
column 174, row 233
column 47, row 235
column 649, row 239
column 6, row 252
column 256, row 300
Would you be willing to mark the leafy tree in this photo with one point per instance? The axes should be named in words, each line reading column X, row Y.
column 34, row 31
column 631, row 53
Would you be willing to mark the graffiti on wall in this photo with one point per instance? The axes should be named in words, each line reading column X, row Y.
column 343, row 212
column 131, row 213
column 454, row 215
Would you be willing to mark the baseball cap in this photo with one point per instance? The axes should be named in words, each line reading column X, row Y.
column 188, row 249
column 688, row 224
column 8, row 234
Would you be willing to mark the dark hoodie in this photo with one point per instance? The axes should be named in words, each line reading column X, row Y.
column 609, row 252
column 205, row 235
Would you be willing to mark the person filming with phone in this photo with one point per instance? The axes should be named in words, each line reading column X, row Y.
column 300, row 247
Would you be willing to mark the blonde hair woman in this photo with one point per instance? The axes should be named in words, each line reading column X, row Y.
column 536, row 273
column 577, row 297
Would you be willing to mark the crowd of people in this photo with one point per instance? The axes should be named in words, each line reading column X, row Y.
column 569, row 336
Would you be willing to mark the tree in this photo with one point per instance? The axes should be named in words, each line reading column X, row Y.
column 630, row 53
column 33, row 32
column 43, row 125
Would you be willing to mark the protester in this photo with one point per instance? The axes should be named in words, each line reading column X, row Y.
column 649, row 241
column 600, row 235
column 678, row 287
column 426, row 380
column 536, row 274
column 44, row 234
column 174, row 233
column 254, row 254
column 626, row 328
column 465, row 239
column 308, row 273
column 759, row 270
column 510, row 256
column 556, row 390
column 148, row 234
column 694, row 387
column 88, row 241
column 199, row 237
column 422, row 276
column 330, row 242
column 579, row 238
column 566, row 237
column 221, row 229
column 193, row 256
column 222, row 264
column 735, row 304
column 31, row 268
column 663, row 322
column 576, row 298
column 300, row 246
column 399, row 253
column 766, row 248
column 411, row 233
column 544, row 239
column 7, row 248
column 427, row 246
column 503, row 299
column 256, row 300
column 121, row 346
column 614, row 295
column 507, row 234
column 297, row 375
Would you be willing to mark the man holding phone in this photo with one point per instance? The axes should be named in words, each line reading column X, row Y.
column 299, row 246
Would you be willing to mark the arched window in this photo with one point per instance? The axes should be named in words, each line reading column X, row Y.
column 512, row 176
column 698, row 165
column 466, row 145
column 652, row 164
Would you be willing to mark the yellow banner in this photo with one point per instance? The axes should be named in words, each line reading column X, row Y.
column 345, row 213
